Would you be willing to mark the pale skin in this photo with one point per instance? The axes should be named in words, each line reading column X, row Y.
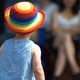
column 0, row 50
column 65, row 46
column 36, row 56
column 37, row 67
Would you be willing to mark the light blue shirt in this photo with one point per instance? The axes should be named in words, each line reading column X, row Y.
column 16, row 60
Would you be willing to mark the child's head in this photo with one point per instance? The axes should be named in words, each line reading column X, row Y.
column 23, row 18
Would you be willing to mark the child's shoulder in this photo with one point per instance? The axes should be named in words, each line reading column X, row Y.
column 7, row 41
column 35, row 48
column 4, row 44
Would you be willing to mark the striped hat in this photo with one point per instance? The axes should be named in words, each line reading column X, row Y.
column 23, row 18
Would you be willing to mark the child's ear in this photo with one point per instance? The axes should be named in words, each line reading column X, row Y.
column 32, row 33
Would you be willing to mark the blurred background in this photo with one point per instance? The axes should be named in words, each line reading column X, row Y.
column 58, row 37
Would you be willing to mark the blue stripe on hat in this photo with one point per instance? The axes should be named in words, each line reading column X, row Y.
column 20, row 19
column 24, row 23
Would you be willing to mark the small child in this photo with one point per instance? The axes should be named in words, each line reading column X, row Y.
column 20, row 58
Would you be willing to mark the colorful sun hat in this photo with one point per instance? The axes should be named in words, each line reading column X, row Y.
column 23, row 18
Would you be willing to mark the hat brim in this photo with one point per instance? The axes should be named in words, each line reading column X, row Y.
column 24, row 29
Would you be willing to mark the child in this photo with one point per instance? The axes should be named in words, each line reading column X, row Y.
column 20, row 57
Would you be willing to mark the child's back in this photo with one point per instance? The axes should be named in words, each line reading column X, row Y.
column 20, row 57
column 16, row 60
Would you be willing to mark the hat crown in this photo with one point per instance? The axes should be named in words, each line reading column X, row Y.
column 24, row 6
column 23, row 12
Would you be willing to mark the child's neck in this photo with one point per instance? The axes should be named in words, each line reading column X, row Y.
column 21, row 37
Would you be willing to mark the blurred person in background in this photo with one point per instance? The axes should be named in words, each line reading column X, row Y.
column 43, row 37
column 66, row 27
column 48, row 6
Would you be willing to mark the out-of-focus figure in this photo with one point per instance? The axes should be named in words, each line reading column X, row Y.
column 47, row 6
column 66, row 27
column 43, row 36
